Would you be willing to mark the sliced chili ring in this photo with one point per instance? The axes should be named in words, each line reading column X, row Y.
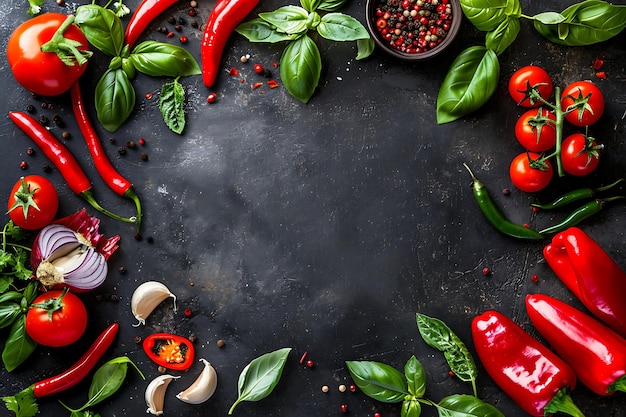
column 169, row 350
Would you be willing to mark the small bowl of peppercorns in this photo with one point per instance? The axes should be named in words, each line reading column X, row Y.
column 413, row 30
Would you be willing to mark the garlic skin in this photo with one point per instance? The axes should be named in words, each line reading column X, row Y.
column 155, row 393
column 147, row 297
column 203, row 387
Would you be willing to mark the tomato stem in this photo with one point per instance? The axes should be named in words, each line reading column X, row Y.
column 65, row 48
column 52, row 305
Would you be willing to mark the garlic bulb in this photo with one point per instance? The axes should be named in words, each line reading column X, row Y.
column 203, row 387
column 147, row 297
column 155, row 393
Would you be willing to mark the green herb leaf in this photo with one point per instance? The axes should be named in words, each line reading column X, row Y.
column 411, row 408
column 379, row 381
column 341, row 27
column 300, row 68
column 258, row 30
column 23, row 404
column 163, row 60
column 503, row 36
column 172, row 106
column 287, row 19
column 9, row 312
column 486, row 15
column 115, row 99
column 471, row 80
column 310, row 5
column 259, row 378
column 18, row 345
column 34, row 7
column 549, row 18
column 103, row 29
column 365, row 48
column 331, row 5
column 415, row 377
column 459, row 405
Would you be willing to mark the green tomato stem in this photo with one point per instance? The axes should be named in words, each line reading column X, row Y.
column 66, row 49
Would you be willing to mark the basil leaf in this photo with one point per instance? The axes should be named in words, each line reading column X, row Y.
column 411, row 408
column 341, row 27
column 102, row 28
column 470, row 82
column 549, row 18
column 172, row 106
column 258, row 30
column 34, row 7
column 503, row 36
column 415, row 377
column 159, row 59
column 300, row 68
column 365, row 48
column 259, row 378
column 379, row 381
column 331, row 5
column 115, row 99
column 585, row 23
column 460, row 405
column 310, row 5
column 9, row 312
column 485, row 15
column 18, row 345
column 287, row 19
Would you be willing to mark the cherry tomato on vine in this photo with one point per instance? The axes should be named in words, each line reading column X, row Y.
column 587, row 101
column 580, row 154
column 534, row 131
column 56, row 318
column 33, row 202
column 524, row 80
column 36, row 52
column 526, row 177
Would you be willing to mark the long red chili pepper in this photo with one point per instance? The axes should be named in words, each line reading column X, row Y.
column 105, row 168
column 145, row 13
column 596, row 353
column 224, row 18
column 80, row 369
column 63, row 159
column 527, row 371
column 591, row 274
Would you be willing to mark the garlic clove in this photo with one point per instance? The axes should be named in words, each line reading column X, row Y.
column 203, row 387
column 155, row 393
column 147, row 297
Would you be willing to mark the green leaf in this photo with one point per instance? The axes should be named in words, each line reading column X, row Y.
column 23, row 404
column 287, row 19
column 470, row 82
column 379, row 381
column 115, row 99
column 9, row 312
column 459, row 405
column 310, row 5
column 172, row 106
column 258, row 30
column 503, row 36
column 341, row 27
column 415, row 377
column 486, row 15
column 259, row 378
column 411, row 408
column 103, row 29
column 549, row 18
column 331, row 5
column 300, row 68
column 365, row 48
column 34, row 7
column 159, row 59
column 18, row 345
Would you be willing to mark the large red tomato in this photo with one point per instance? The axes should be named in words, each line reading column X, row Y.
column 526, row 79
column 56, row 318
column 586, row 100
column 33, row 202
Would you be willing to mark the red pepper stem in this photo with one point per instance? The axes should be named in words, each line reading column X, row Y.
column 87, row 195
column 619, row 385
column 66, row 49
column 562, row 403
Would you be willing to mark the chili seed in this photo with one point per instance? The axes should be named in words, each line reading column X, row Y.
column 30, row 151
column 143, row 156
column 344, row 408
column 220, row 343
column 23, row 165
column 183, row 39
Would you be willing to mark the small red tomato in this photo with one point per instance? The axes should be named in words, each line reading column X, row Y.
column 534, row 130
column 526, row 177
column 525, row 80
column 33, row 202
column 584, row 103
column 580, row 154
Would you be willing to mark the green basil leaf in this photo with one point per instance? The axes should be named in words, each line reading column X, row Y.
column 30, row 292
column 102, row 28
column 34, row 7
column 513, row 8
column 585, row 23
column 379, row 381
column 18, row 345
column 160, row 59
column 287, row 19
column 331, row 5
column 310, row 5
column 485, row 15
column 341, row 27
column 259, row 378
column 115, row 99
column 411, row 408
column 300, row 68
column 172, row 106
column 549, row 18
column 470, row 82
column 258, row 30
column 459, row 405
column 503, row 36
column 365, row 48
column 9, row 312
column 415, row 377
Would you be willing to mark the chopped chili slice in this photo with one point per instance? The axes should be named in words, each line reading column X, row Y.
column 256, row 85
column 169, row 350
column 272, row 83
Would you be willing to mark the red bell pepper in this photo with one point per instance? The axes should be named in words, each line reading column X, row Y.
column 169, row 350
column 527, row 371
column 596, row 353
column 591, row 274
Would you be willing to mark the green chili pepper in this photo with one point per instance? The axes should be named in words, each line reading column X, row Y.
column 575, row 195
column 495, row 217
column 581, row 213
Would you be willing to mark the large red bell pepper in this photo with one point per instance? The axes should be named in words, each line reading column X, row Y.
column 527, row 371
column 596, row 353
column 591, row 274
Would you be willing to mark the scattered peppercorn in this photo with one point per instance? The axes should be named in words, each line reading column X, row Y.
column 193, row 3
column 112, row 140
column 130, row 144
column 187, row 312
column 267, row 73
column 121, row 270
column 162, row 369
column 171, row 20
column 47, row 168
column 535, row 209
column 342, row 388
column 193, row 338
column 212, row 98
column 137, row 236
column 150, row 239
column 376, row 414
column 170, row 34
column 30, row 151
column 192, row 12
column 66, row 134
column 220, row 343
column 535, row 278
column 450, row 373
column 23, row 165
column 178, row 28
column 60, row 2
column 57, row 120
column 114, row 298
column 258, row 68
column 325, row 388
column 183, row 39
column 310, row 363
column 30, row 108
column 194, row 24
column 43, row 120
column 121, row 150
column 142, row 141
column 352, row 388
column 143, row 156
column 44, row 105
column 138, row 339
column 344, row 408
column 486, row 271
column 506, row 191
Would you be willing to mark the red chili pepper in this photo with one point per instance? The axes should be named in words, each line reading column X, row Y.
column 596, row 353
column 169, row 350
column 144, row 14
column 81, row 368
column 63, row 159
column 224, row 18
column 532, row 375
column 591, row 274
column 105, row 168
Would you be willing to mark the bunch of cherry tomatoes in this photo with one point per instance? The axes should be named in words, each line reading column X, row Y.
column 539, row 129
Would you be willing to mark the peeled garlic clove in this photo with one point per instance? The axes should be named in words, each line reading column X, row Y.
column 147, row 297
column 203, row 387
column 155, row 393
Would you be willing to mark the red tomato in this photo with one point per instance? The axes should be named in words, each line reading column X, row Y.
column 580, row 154
column 528, row 178
column 534, row 132
column 33, row 202
column 587, row 101
column 43, row 72
column 56, row 318
column 524, row 80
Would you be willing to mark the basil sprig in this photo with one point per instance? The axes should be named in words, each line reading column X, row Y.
column 18, row 345
column 301, row 61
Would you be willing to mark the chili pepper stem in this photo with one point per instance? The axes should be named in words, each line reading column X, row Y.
column 87, row 195
column 66, row 49
column 131, row 194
